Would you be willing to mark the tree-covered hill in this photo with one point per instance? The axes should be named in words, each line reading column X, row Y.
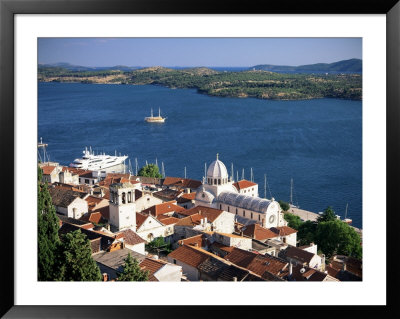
column 257, row 84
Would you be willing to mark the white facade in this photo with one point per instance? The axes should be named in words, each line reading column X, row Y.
column 67, row 177
column 147, row 201
column 244, row 243
column 152, row 228
column 190, row 272
column 122, row 206
column 76, row 209
column 139, row 248
column 219, row 192
column 169, row 272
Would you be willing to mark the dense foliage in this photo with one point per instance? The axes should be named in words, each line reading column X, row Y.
column 67, row 258
column 158, row 245
column 48, row 241
column 284, row 205
column 258, row 84
column 76, row 257
column 150, row 170
column 132, row 271
column 332, row 235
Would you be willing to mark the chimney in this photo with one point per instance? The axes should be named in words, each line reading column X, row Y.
column 234, row 278
column 105, row 277
column 290, row 268
column 205, row 220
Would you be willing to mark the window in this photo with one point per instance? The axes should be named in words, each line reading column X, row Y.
column 175, row 261
column 123, row 198
column 251, row 215
column 244, row 213
column 219, row 181
column 129, row 197
column 220, row 206
column 259, row 217
column 215, row 181
column 236, row 211
column 86, row 181
column 228, row 208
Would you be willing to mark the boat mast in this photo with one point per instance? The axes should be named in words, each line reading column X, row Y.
column 136, row 166
column 185, row 171
column 242, row 173
column 345, row 214
column 231, row 171
column 151, row 112
column 162, row 169
column 291, row 191
column 159, row 113
column 205, row 170
column 251, row 174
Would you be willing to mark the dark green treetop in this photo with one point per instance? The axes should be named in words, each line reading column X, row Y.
column 150, row 170
column 77, row 261
column 132, row 271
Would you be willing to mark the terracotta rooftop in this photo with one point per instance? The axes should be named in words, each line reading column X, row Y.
column 140, row 219
column 197, row 241
column 48, row 169
column 181, row 182
column 297, row 253
column 169, row 220
column 96, row 218
column 167, row 194
column 211, row 213
column 163, row 208
column 186, row 197
column 130, row 237
column 257, row 263
column 64, row 197
column 189, row 256
column 152, row 266
column 283, row 230
column 243, row 184
column 76, row 171
column 258, row 232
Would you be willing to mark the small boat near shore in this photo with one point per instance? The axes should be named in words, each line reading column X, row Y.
column 155, row 119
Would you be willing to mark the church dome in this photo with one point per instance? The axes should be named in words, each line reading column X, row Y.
column 217, row 169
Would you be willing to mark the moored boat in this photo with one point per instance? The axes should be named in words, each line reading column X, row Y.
column 95, row 162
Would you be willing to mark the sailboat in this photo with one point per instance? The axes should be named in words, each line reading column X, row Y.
column 155, row 119
column 347, row 220
column 291, row 195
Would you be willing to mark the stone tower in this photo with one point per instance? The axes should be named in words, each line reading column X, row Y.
column 122, row 206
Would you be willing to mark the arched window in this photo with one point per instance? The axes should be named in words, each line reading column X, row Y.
column 220, row 206
column 129, row 197
column 219, row 181
column 215, row 181
column 123, row 198
column 244, row 213
column 228, row 208
column 251, row 215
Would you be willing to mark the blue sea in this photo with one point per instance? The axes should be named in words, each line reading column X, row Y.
column 317, row 143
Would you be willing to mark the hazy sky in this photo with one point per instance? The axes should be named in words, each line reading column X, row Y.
column 197, row 51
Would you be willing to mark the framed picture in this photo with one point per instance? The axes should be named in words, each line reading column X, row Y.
column 25, row 24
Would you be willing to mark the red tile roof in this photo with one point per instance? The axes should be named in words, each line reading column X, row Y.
column 257, row 263
column 152, row 266
column 283, row 230
column 189, row 256
column 258, row 232
column 197, row 241
column 48, row 169
column 243, row 184
column 211, row 213
column 190, row 196
column 181, row 182
column 163, row 208
column 130, row 237
column 169, row 220
column 140, row 219
column 93, row 217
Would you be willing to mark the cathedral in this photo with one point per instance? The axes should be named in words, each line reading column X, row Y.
column 219, row 192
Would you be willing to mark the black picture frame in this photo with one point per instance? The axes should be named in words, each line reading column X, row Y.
column 9, row 8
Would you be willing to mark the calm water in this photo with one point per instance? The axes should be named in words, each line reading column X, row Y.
column 318, row 142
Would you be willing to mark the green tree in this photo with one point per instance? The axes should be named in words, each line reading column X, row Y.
column 285, row 206
column 327, row 215
column 150, row 170
column 306, row 233
column 48, row 240
column 158, row 245
column 77, row 261
column 294, row 221
column 336, row 237
column 132, row 271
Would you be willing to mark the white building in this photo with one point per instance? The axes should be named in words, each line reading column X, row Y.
column 219, row 192
column 122, row 206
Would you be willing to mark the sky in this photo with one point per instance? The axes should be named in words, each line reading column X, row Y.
column 217, row 52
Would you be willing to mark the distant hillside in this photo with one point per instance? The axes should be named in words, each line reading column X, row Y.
column 352, row 65
column 72, row 67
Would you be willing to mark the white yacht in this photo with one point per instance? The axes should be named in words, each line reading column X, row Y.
column 95, row 162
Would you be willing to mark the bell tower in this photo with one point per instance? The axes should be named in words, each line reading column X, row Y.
column 122, row 206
